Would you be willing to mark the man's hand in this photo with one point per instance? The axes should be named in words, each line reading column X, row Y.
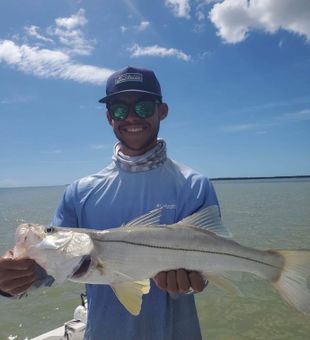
column 180, row 281
column 16, row 275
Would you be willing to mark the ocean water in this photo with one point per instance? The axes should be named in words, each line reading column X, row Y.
column 264, row 214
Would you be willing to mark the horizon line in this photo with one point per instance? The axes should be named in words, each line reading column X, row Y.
column 210, row 178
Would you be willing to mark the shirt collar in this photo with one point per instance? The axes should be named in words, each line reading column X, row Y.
column 152, row 159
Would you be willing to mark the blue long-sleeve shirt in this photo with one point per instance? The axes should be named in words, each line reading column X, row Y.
column 113, row 197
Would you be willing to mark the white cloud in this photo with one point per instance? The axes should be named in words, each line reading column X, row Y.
column 53, row 152
column 239, row 127
column 136, row 28
column 99, row 146
column 276, row 104
column 74, row 40
column 234, row 19
column 155, row 50
column 8, row 182
column 68, row 41
column 9, row 52
column 68, row 31
column 204, row 55
column 200, row 15
column 293, row 117
column 74, row 21
column 298, row 116
column 47, row 63
column 86, row 73
column 33, row 31
column 17, row 99
column 180, row 8
column 143, row 25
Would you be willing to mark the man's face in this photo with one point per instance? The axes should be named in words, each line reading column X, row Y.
column 137, row 135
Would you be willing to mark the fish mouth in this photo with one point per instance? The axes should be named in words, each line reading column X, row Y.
column 83, row 268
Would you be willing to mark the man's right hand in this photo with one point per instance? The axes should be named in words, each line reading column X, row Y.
column 16, row 275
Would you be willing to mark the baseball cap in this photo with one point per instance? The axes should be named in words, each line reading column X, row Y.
column 132, row 79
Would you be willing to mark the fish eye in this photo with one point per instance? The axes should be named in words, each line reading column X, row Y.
column 49, row 229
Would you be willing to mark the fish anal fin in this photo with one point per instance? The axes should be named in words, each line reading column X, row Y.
column 130, row 294
column 224, row 281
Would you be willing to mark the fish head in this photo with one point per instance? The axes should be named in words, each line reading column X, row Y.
column 60, row 251
column 27, row 234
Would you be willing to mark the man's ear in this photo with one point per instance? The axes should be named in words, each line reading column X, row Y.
column 163, row 111
column 109, row 117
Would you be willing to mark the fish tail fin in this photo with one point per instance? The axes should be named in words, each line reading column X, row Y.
column 293, row 283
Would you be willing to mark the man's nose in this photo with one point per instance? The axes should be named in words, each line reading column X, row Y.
column 131, row 113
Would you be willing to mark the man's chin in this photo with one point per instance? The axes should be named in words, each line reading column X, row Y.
column 136, row 149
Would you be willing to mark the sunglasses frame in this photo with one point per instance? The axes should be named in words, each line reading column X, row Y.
column 132, row 106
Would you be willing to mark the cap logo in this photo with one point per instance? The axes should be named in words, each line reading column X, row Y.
column 129, row 77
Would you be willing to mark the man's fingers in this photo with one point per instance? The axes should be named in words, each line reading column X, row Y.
column 11, row 275
column 183, row 281
column 172, row 285
column 20, row 289
column 196, row 281
column 8, row 254
column 19, row 284
column 16, row 275
column 161, row 280
column 16, row 264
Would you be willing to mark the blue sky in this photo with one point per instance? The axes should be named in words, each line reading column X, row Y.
column 236, row 76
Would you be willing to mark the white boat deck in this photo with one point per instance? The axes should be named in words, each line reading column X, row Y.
column 71, row 330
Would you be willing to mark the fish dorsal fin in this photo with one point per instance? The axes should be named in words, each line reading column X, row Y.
column 207, row 219
column 130, row 294
column 150, row 218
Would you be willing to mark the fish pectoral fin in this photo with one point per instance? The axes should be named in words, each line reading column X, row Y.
column 130, row 294
column 224, row 281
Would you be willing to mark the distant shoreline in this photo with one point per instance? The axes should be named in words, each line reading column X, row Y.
column 244, row 178
column 251, row 178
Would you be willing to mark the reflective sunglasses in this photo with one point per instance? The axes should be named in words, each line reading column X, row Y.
column 142, row 108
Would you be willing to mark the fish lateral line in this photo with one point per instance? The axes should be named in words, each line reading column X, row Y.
column 190, row 250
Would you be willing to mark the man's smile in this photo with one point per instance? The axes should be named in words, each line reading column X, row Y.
column 133, row 128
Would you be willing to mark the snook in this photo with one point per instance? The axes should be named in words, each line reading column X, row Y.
column 126, row 257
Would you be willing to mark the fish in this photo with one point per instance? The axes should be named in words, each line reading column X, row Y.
column 127, row 257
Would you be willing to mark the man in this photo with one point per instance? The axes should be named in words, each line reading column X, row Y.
column 141, row 178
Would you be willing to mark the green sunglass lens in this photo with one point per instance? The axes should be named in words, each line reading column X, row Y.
column 118, row 111
column 144, row 109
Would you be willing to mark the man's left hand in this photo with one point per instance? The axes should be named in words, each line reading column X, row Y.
column 180, row 281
